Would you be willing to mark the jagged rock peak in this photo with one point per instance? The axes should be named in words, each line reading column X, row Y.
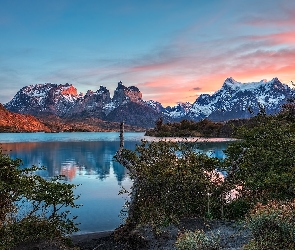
column 68, row 89
column 89, row 93
column 233, row 99
column 230, row 80
column 131, row 88
column 120, row 86
column 102, row 89
column 45, row 98
column 124, row 94
column 274, row 79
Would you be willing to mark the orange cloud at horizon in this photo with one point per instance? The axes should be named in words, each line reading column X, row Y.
column 287, row 37
column 251, row 67
column 184, row 79
column 209, row 84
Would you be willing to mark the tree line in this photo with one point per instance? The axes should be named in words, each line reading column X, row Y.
column 207, row 128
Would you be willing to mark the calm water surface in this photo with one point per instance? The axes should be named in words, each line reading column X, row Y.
column 86, row 159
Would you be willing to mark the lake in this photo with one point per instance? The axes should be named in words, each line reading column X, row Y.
column 86, row 158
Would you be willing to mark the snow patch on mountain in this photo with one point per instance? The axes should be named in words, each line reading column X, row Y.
column 234, row 98
column 180, row 110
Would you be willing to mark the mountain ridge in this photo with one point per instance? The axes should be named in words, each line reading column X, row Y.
column 231, row 101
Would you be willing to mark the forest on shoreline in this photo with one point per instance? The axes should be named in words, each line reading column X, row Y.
column 210, row 129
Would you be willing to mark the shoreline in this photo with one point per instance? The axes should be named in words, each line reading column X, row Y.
column 233, row 235
column 86, row 237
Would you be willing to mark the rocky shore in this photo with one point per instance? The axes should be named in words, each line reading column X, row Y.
column 232, row 236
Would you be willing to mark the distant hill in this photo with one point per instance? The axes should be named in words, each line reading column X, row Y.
column 13, row 122
column 234, row 100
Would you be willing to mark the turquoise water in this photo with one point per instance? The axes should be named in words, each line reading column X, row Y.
column 86, row 159
column 67, row 137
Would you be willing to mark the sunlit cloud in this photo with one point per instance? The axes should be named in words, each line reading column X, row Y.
column 278, row 38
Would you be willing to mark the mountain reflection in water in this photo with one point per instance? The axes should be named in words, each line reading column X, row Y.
column 70, row 158
column 86, row 159
column 93, row 158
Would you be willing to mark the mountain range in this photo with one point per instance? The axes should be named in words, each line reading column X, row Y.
column 232, row 101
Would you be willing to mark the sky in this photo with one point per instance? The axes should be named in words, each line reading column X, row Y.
column 172, row 50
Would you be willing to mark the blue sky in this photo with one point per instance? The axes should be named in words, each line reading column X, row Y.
column 172, row 50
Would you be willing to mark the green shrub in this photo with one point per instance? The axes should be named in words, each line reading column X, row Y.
column 32, row 208
column 197, row 240
column 171, row 181
column 27, row 230
column 262, row 163
column 237, row 209
column 272, row 226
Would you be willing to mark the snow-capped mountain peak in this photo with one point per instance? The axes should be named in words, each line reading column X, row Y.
column 231, row 81
column 234, row 98
column 231, row 101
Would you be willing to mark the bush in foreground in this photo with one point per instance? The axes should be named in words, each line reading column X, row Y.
column 197, row 240
column 262, row 163
column 32, row 208
column 171, row 180
column 272, row 226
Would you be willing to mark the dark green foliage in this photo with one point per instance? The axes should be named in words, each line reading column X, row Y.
column 288, row 111
column 203, row 128
column 187, row 128
column 264, row 161
column 171, row 180
column 31, row 207
column 272, row 226
column 236, row 209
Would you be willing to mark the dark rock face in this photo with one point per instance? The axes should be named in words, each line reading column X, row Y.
column 134, row 114
column 231, row 101
column 91, row 105
column 123, row 95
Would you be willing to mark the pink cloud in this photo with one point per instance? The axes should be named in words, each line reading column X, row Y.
column 248, row 67
column 178, row 88
column 287, row 37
